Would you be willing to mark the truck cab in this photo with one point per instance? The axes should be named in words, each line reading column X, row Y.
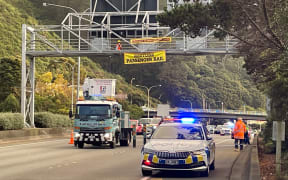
column 98, row 121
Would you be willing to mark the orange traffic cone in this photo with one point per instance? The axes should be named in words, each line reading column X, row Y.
column 71, row 138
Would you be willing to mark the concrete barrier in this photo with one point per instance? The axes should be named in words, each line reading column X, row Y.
column 32, row 133
column 246, row 166
column 254, row 173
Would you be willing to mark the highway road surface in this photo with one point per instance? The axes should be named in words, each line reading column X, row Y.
column 58, row 160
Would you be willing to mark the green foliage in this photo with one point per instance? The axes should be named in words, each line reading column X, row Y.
column 188, row 13
column 269, row 147
column 189, row 78
column 50, row 120
column 10, row 104
column 10, row 73
column 14, row 13
column 135, row 111
column 11, row 121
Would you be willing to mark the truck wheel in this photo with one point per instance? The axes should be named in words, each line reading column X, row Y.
column 113, row 143
column 80, row 144
column 123, row 142
column 126, row 142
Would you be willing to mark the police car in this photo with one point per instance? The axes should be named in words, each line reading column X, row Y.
column 179, row 145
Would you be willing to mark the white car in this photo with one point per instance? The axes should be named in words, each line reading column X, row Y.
column 179, row 146
column 225, row 131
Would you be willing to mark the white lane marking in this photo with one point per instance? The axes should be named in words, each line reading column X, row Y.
column 223, row 141
column 26, row 144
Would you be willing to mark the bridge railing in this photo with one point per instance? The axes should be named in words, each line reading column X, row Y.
column 78, row 34
column 225, row 111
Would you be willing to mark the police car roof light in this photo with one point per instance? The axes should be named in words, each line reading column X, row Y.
column 187, row 120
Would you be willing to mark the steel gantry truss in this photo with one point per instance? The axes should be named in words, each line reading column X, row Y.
column 80, row 35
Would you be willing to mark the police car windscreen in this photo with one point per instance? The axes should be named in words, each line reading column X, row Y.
column 178, row 132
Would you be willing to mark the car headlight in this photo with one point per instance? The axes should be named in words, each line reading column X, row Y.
column 107, row 135
column 201, row 151
column 147, row 151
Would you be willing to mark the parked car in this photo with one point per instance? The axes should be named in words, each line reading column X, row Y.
column 211, row 129
column 217, row 129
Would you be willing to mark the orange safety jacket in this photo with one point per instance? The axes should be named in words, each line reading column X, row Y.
column 239, row 130
column 119, row 46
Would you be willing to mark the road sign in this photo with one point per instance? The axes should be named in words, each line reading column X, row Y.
column 147, row 57
column 275, row 130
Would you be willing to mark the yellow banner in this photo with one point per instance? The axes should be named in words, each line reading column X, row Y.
column 147, row 57
column 150, row 40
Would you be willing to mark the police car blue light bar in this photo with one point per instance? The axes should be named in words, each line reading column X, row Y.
column 187, row 120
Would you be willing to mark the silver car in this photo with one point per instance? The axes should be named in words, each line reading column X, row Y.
column 179, row 146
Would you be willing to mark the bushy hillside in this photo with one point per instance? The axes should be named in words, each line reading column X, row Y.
column 213, row 78
column 52, row 80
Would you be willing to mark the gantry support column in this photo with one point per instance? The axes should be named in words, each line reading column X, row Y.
column 23, row 74
column 32, row 82
column 27, row 79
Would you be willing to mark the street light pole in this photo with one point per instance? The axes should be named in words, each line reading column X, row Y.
column 72, row 87
column 222, row 105
column 131, row 82
column 72, row 83
column 148, row 94
column 79, row 48
column 190, row 103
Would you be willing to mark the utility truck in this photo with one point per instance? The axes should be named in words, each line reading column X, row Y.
column 99, row 119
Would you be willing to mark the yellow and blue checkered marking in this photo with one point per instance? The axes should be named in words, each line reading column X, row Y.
column 189, row 160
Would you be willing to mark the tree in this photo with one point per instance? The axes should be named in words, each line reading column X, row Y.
column 256, row 24
column 10, row 73
column 260, row 27
column 10, row 104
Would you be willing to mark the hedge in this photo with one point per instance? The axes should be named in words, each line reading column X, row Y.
column 50, row 120
column 11, row 121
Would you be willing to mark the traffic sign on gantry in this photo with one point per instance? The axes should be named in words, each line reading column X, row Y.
column 109, row 21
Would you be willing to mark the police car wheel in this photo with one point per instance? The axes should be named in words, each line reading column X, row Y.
column 146, row 173
column 205, row 173
column 212, row 166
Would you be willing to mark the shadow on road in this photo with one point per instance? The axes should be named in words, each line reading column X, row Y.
column 177, row 174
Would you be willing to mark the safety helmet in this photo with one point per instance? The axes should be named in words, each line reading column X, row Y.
column 118, row 41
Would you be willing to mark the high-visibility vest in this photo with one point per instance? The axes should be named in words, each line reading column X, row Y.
column 118, row 46
column 239, row 130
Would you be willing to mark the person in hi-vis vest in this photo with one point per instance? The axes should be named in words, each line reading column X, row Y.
column 239, row 131
column 119, row 45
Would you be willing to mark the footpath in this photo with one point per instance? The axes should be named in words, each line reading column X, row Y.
column 32, row 134
column 246, row 166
